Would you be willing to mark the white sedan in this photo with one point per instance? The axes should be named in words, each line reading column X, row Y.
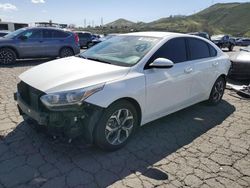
column 122, row 83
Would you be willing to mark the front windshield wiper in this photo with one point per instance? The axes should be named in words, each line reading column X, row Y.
column 99, row 60
column 81, row 56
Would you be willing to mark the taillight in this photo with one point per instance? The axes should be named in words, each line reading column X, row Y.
column 76, row 38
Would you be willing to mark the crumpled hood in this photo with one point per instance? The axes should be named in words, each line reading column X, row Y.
column 241, row 57
column 71, row 73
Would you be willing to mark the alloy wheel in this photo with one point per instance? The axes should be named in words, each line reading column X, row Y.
column 218, row 91
column 119, row 126
column 6, row 57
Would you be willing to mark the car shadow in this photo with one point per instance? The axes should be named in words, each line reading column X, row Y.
column 80, row 164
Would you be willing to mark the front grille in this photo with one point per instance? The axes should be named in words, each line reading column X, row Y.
column 30, row 95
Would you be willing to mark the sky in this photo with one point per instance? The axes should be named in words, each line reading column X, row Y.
column 76, row 11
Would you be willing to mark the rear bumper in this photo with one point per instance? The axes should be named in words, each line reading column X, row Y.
column 71, row 123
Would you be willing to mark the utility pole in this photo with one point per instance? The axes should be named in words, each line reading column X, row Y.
column 85, row 23
column 101, row 21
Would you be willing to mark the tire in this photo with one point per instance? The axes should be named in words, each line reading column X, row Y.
column 113, row 131
column 7, row 56
column 89, row 45
column 66, row 52
column 231, row 47
column 217, row 91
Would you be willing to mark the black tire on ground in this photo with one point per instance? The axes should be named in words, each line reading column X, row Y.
column 116, row 126
column 217, row 91
column 89, row 45
column 231, row 47
column 66, row 52
column 7, row 56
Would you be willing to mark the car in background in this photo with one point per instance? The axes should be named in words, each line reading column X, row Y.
column 37, row 42
column 85, row 38
column 129, row 80
column 240, row 67
column 101, row 39
column 95, row 36
column 223, row 41
column 243, row 42
column 3, row 33
column 201, row 34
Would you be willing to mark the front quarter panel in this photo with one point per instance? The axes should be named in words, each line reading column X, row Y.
column 131, row 86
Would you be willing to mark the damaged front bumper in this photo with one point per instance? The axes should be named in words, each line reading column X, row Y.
column 71, row 122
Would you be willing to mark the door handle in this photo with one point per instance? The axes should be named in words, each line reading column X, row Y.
column 215, row 64
column 188, row 70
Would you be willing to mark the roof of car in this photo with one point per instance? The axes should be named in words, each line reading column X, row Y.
column 156, row 34
column 55, row 28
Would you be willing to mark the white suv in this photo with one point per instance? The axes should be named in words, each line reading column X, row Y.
column 122, row 83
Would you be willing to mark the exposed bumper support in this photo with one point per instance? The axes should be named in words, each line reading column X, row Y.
column 78, row 121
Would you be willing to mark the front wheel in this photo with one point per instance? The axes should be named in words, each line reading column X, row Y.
column 217, row 91
column 7, row 56
column 116, row 126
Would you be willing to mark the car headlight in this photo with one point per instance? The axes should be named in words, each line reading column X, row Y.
column 70, row 97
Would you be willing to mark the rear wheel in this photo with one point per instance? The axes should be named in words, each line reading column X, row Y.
column 217, row 91
column 231, row 47
column 7, row 56
column 66, row 52
column 116, row 126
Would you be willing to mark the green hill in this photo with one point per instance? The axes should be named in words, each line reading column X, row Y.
column 120, row 23
column 229, row 18
column 232, row 18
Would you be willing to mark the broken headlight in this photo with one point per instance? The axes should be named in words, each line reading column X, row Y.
column 70, row 97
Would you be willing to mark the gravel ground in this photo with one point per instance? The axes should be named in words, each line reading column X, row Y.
column 201, row 146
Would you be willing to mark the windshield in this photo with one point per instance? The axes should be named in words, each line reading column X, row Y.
column 14, row 33
column 121, row 50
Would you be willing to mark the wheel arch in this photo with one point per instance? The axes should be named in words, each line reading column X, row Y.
column 134, row 103
column 12, row 48
column 66, row 47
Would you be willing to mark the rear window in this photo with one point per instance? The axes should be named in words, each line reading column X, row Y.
column 60, row 34
column 84, row 35
column 47, row 33
column 198, row 49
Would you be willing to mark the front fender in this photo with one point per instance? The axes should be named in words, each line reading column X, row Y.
column 132, row 86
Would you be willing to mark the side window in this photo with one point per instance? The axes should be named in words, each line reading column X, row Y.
column 174, row 50
column 80, row 35
column 198, row 49
column 86, row 35
column 212, row 51
column 47, row 33
column 33, row 34
column 60, row 34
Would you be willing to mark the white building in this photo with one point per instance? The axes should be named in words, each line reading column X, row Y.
column 11, row 26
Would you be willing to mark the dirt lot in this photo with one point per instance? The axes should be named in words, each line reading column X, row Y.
column 201, row 146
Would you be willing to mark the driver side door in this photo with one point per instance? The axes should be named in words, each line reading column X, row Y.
column 32, row 45
column 168, row 89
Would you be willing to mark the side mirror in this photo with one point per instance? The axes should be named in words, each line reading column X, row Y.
column 161, row 63
column 23, row 37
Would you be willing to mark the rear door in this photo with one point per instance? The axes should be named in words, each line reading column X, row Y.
column 53, row 41
column 202, row 54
